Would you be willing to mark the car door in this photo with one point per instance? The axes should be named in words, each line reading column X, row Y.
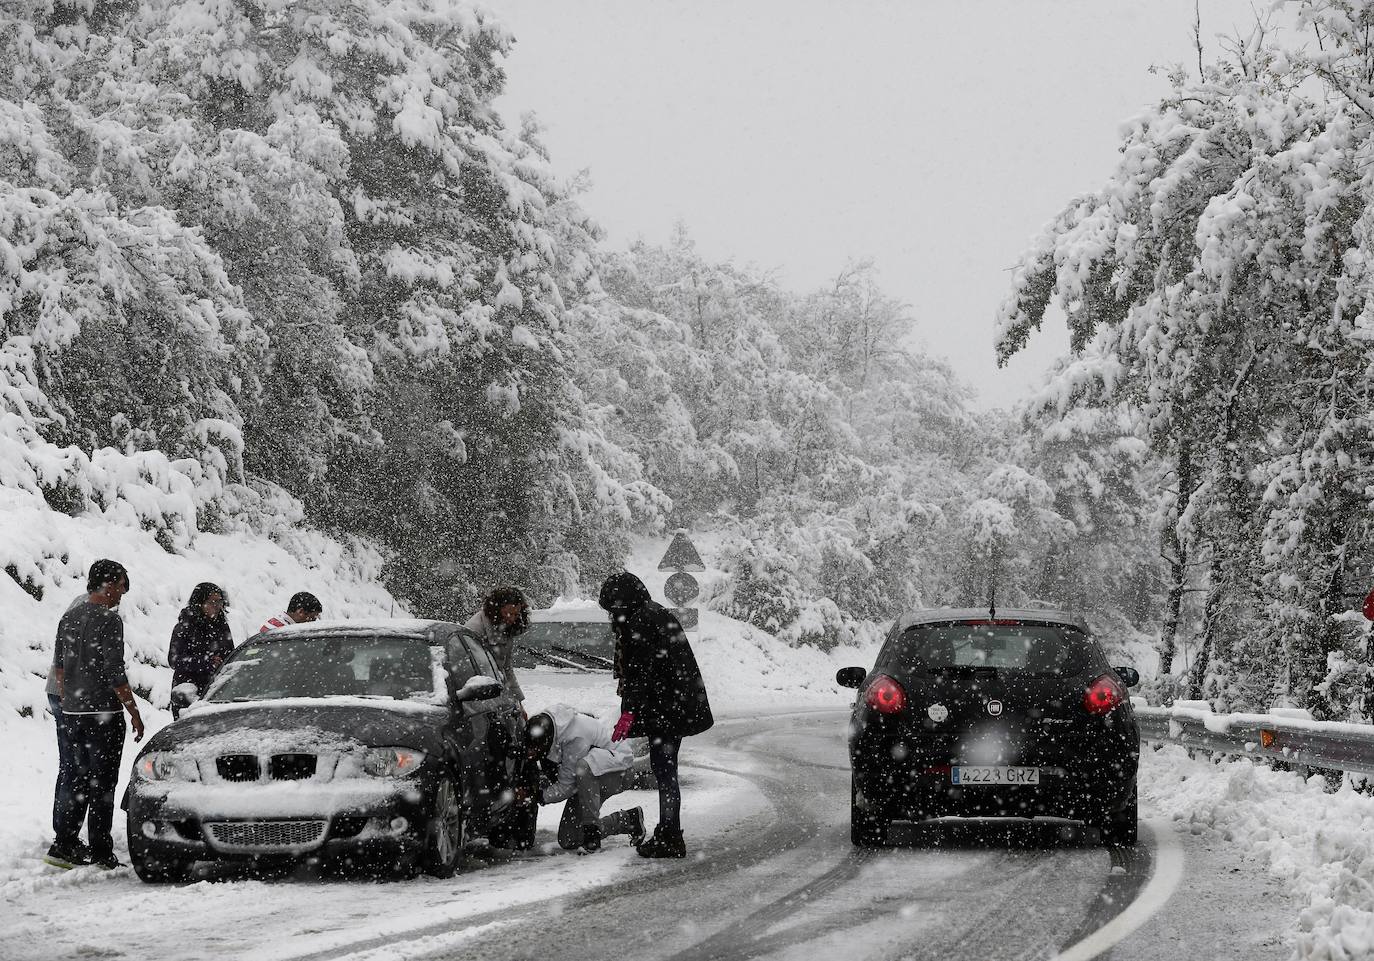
column 465, row 733
column 504, row 724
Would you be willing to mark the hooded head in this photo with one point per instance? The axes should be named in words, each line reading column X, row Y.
column 539, row 735
column 623, row 594
column 541, row 730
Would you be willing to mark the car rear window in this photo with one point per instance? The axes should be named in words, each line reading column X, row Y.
column 587, row 637
column 1043, row 650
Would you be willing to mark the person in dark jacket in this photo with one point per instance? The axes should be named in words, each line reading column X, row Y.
column 663, row 696
column 200, row 641
column 94, row 688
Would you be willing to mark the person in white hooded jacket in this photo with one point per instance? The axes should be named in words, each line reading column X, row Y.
column 583, row 766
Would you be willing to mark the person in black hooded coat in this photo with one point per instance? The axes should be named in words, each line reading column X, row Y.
column 201, row 640
column 663, row 696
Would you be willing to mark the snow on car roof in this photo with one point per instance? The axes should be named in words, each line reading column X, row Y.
column 1045, row 615
column 571, row 611
column 364, row 625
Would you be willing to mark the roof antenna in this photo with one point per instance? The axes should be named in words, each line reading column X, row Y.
column 992, row 603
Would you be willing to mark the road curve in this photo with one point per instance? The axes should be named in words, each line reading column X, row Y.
column 787, row 884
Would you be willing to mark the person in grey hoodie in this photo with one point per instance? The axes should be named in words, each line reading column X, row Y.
column 93, row 685
column 504, row 616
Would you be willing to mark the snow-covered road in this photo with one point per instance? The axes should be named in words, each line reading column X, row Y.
column 773, row 875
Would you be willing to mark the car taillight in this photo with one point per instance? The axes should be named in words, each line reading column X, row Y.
column 885, row 696
column 1104, row 695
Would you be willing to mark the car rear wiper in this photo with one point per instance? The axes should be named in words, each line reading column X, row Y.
column 602, row 662
column 555, row 660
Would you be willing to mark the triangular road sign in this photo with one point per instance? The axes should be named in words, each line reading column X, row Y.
column 681, row 555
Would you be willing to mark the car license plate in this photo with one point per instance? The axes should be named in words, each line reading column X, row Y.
column 993, row 776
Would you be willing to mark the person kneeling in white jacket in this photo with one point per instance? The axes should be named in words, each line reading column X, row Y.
column 583, row 766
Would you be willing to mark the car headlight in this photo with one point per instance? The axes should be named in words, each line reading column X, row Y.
column 167, row 766
column 392, row 761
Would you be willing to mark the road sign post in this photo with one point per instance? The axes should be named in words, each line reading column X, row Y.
column 681, row 588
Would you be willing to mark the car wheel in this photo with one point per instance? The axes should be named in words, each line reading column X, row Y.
column 155, row 870
column 1122, row 829
column 447, row 833
column 867, row 827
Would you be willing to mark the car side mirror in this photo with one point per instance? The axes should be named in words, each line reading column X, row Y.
column 1128, row 674
column 850, row 677
column 478, row 688
column 184, row 695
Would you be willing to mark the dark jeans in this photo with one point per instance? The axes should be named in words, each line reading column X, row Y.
column 62, row 791
column 663, row 752
column 97, row 744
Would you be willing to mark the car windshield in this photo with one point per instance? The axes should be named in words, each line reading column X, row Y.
column 1037, row 649
column 329, row 665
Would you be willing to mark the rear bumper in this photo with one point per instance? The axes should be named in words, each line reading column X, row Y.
column 894, row 778
column 918, row 797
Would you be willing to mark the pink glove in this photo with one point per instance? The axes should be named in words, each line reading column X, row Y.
column 622, row 726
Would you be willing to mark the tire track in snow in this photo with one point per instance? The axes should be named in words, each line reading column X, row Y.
column 787, row 827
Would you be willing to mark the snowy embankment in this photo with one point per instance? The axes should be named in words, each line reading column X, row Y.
column 45, row 555
column 1321, row 845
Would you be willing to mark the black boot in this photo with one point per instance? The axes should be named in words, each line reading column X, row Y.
column 591, row 839
column 664, row 844
column 637, row 832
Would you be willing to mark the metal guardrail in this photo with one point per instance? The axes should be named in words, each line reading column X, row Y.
column 1291, row 737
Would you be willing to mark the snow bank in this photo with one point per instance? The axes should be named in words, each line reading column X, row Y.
column 46, row 555
column 261, row 560
column 1320, row 844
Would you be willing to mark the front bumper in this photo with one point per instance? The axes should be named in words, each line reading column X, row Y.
column 335, row 821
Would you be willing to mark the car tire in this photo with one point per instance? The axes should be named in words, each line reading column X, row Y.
column 1122, row 829
column 155, row 870
column 867, row 829
column 447, row 832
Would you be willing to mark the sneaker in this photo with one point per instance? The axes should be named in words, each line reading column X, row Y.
column 107, row 861
column 67, row 857
column 637, row 831
column 591, row 839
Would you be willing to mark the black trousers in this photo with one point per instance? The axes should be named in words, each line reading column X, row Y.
column 62, row 790
column 663, row 752
column 96, row 743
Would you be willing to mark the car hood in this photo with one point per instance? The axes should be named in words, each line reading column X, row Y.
column 313, row 724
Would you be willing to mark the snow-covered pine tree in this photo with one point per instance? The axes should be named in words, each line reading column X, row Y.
column 1221, row 276
column 428, row 240
column 122, row 331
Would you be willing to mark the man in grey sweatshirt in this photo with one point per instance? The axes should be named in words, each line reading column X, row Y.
column 93, row 687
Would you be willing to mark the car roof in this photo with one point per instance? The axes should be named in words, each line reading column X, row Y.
column 588, row 613
column 403, row 626
column 1035, row 615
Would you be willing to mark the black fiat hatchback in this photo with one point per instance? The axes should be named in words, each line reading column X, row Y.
column 1007, row 714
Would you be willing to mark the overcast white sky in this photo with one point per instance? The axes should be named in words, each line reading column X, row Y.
column 795, row 135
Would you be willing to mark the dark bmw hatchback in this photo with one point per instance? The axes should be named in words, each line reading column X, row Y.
column 387, row 743
column 1013, row 715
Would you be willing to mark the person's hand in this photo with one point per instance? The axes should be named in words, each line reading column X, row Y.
column 622, row 726
column 215, row 662
column 523, row 797
column 136, row 720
